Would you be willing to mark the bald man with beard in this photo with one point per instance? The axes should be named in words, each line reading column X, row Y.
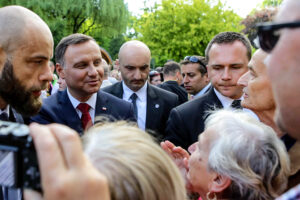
column 26, row 47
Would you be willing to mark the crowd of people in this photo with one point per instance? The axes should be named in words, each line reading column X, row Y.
column 224, row 125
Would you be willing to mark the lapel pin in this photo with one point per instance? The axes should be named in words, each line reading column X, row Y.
column 104, row 108
column 156, row 105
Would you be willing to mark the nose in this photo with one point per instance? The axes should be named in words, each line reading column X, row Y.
column 46, row 73
column 243, row 80
column 137, row 74
column 186, row 79
column 92, row 70
column 226, row 75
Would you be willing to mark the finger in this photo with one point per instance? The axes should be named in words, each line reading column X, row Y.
column 70, row 144
column 32, row 195
column 169, row 144
column 182, row 152
column 51, row 162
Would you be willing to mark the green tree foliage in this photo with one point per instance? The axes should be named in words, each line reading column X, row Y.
column 271, row 3
column 183, row 27
column 258, row 16
column 101, row 19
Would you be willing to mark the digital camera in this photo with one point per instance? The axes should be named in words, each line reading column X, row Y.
column 18, row 160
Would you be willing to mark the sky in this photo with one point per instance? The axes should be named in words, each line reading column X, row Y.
column 241, row 7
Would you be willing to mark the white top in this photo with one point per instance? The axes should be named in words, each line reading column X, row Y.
column 226, row 102
column 141, row 103
column 91, row 101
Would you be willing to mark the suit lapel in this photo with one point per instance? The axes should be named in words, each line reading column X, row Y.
column 14, row 116
column 153, row 108
column 213, row 101
column 72, row 120
column 102, row 105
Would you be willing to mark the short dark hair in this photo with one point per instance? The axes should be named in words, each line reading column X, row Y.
column 202, row 64
column 227, row 38
column 62, row 46
column 170, row 68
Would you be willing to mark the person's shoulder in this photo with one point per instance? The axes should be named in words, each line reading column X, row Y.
column 111, row 87
column 52, row 99
column 113, row 99
column 192, row 105
column 162, row 93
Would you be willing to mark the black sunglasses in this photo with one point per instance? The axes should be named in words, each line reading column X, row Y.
column 194, row 59
column 268, row 34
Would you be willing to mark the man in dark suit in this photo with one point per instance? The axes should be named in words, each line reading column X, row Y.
column 152, row 105
column 228, row 55
column 172, row 81
column 195, row 78
column 79, row 60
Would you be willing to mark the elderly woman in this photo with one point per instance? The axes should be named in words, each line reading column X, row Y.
column 258, row 97
column 135, row 166
column 236, row 157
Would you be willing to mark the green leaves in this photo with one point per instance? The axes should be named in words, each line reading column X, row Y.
column 178, row 28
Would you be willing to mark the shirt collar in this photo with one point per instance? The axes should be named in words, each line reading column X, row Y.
column 226, row 101
column 91, row 101
column 141, row 93
column 6, row 109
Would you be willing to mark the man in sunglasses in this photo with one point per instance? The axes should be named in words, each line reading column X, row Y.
column 282, row 41
column 195, row 78
column 228, row 54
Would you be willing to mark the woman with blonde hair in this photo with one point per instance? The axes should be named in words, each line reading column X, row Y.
column 135, row 166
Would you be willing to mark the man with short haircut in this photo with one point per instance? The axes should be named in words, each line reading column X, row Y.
column 228, row 54
column 195, row 78
column 152, row 104
column 282, row 41
column 78, row 61
column 26, row 46
column 173, row 80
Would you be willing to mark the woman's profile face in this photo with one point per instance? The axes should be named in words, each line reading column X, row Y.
column 198, row 175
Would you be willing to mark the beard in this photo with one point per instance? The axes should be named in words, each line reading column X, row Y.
column 16, row 95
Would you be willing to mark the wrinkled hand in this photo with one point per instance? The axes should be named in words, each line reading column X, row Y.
column 180, row 157
column 66, row 173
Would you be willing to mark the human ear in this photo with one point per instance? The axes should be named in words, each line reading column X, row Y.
column 220, row 183
column 2, row 59
column 60, row 70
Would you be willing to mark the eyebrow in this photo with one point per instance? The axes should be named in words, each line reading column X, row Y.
column 39, row 57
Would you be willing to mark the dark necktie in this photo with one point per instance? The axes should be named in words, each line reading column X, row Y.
column 4, row 116
column 86, row 119
column 236, row 104
column 133, row 98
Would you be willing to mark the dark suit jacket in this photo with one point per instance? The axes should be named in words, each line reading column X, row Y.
column 159, row 105
column 186, row 121
column 173, row 86
column 58, row 109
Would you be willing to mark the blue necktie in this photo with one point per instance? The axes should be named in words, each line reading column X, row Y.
column 133, row 98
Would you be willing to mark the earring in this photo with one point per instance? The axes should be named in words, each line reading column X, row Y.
column 213, row 198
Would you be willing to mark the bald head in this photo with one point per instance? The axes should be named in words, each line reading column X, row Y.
column 133, row 47
column 15, row 21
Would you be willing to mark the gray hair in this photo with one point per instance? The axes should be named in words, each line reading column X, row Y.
column 135, row 166
column 72, row 39
column 250, row 154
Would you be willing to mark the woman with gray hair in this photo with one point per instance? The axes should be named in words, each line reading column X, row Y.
column 135, row 166
column 236, row 157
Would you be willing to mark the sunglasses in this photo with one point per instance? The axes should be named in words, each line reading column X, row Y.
column 268, row 34
column 194, row 59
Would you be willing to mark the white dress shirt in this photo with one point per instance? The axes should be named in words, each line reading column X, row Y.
column 226, row 102
column 91, row 102
column 141, row 103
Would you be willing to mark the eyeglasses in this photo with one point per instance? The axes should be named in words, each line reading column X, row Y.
column 268, row 34
column 194, row 59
